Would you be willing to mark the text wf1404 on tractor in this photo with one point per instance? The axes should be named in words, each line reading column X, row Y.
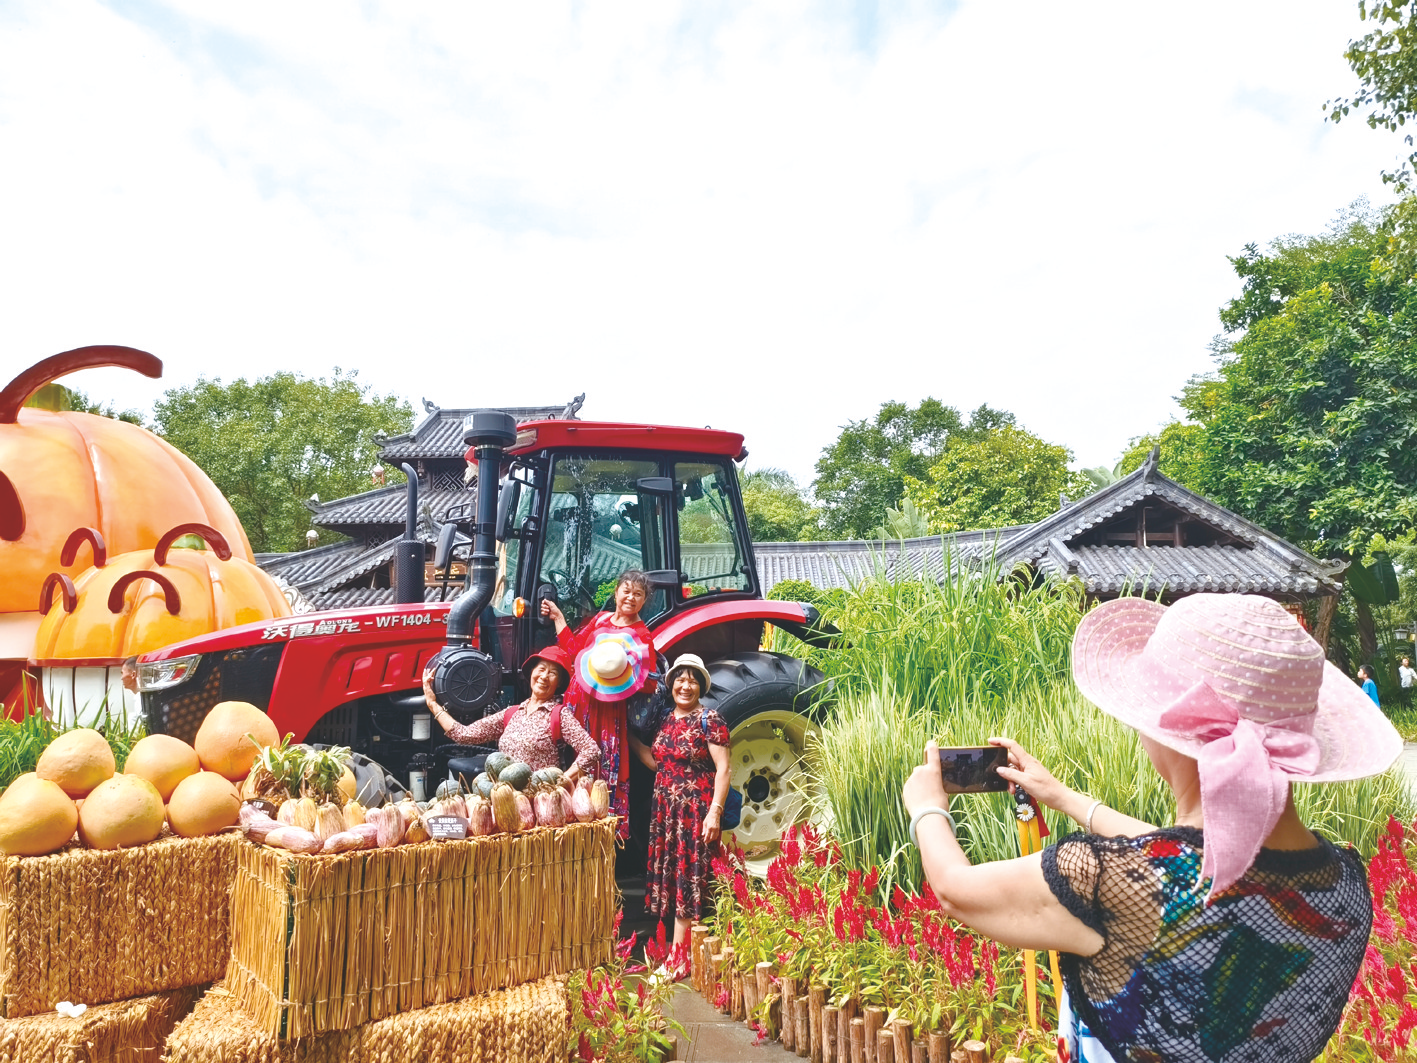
column 561, row 508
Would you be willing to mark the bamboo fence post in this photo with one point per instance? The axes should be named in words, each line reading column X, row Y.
column 831, row 1028
column 902, row 1040
column 885, row 1046
column 740, row 996
column 697, row 933
column 939, row 1046
column 762, row 975
column 857, row 1040
column 843, row 1037
column 716, row 976
column 874, row 1018
column 711, row 944
column 817, row 999
column 802, row 1014
column 751, row 999
column 976, row 1052
column 727, row 980
column 788, row 1003
column 919, row 1052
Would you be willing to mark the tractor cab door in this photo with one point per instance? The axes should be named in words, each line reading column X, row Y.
column 714, row 556
column 605, row 514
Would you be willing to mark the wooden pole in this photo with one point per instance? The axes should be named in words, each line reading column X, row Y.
column 831, row 1035
column 789, row 1013
column 875, row 1017
column 856, row 1040
column 711, row 944
column 976, row 1052
column 919, row 1052
column 902, row 1040
column 816, row 1001
column 697, row 933
column 802, row 1013
column 843, row 1037
column 885, row 1046
column 740, row 996
column 750, row 994
column 939, row 1046
column 725, row 981
column 717, row 979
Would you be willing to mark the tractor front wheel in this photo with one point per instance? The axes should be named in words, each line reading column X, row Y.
column 771, row 703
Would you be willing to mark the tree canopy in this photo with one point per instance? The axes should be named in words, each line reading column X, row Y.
column 994, row 479
column 1310, row 425
column 272, row 443
column 864, row 472
column 776, row 508
column 1385, row 60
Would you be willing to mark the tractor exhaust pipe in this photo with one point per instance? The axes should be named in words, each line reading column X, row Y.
column 488, row 433
column 408, row 553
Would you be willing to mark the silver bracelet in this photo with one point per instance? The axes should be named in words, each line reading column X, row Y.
column 915, row 822
column 1087, row 820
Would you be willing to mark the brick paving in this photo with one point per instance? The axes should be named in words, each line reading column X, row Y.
column 715, row 1038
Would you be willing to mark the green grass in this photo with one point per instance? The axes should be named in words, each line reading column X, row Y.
column 979, row 657
column 22, row 741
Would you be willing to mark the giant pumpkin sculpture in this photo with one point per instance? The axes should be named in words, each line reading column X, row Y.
column 136, row 602
column 61, row 471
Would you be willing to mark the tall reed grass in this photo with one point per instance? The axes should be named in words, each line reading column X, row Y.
column 976, row 657
column 23, row 740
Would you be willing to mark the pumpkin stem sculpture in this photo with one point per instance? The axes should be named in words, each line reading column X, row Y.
column 57, row 365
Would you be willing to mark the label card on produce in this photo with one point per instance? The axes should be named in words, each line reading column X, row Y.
column 262, row 806
column 446, row 828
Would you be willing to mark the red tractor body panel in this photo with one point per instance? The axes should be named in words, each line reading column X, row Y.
column 600, row 435
column 682, row 625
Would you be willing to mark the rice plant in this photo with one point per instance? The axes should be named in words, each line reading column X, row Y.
column 23, row 740
column 969, row 659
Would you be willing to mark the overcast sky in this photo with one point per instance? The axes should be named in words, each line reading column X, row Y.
column 768, row 217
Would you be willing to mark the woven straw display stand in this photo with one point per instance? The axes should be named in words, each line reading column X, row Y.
column 94, row 927
column 131, row 1031
column 524, row 1024
column 322, row 943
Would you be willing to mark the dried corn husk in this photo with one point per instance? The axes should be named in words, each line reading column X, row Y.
column 295, row 839
column 480, row 821
column 600, row 798
column 364, row 836
column 580, row 805
column 525, row 812
column 388, row 825
column 255, row 824
column 329, row 820
column 307, row 814
column 504, row 808
column 548, row 809
column 353, row 814
column 285, row 814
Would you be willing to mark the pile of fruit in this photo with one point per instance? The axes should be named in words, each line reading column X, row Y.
column 506, row 798
column 75, row 786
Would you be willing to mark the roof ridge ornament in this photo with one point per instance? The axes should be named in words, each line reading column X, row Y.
column 1152, row 466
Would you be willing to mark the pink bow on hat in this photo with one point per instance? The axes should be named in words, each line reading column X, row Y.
column 1245, row 768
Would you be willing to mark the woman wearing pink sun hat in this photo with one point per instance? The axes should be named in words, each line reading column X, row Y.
column 1234, row 935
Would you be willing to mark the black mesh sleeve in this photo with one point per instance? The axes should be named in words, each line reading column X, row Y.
column 1072, row 868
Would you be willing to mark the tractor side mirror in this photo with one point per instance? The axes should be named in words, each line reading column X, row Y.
column 443, row 551
column 507, row 506
column 667, row 578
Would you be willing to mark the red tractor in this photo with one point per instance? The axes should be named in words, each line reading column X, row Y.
column 562, row 507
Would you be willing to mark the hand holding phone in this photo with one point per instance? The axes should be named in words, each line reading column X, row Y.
column 973, row 769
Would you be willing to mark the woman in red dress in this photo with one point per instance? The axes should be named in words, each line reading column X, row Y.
column 690, row 762
column 599, row 699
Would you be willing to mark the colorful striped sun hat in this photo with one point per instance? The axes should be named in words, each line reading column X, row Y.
column 612, row 668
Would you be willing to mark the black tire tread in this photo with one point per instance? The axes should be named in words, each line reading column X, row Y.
column 750, row 683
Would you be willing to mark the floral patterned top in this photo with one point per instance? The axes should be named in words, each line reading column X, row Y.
column 681, row 750
column 1259, row 975
column 528, row 737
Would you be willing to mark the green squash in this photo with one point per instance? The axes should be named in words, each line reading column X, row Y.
column 516, row 775
column 482, row 785
column 495, row 763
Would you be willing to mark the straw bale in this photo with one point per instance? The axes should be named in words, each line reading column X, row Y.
column 97, row 927
column 130, row 1031
column 323, row 943
column 527, row 1023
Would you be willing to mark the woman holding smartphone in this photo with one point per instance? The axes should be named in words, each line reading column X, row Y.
column 1235, row 933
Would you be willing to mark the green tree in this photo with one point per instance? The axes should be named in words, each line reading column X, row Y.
column 61, row 399
column 1184, row 456
column 1002, row 477
column 777, row 509
column 272, row 443
column 1385, row 60
column 1311, row 422
column 864, row 472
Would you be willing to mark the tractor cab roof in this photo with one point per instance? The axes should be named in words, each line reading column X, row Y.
column 611, row 435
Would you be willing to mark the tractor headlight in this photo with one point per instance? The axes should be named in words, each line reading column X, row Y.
column 159, row 675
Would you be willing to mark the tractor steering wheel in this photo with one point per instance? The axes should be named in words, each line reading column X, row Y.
column 568, row 590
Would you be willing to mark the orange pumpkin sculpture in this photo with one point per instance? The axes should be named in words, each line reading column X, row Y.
column 136, row 602
column 61, row 471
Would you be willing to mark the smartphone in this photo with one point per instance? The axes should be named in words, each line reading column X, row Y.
column 973, row 769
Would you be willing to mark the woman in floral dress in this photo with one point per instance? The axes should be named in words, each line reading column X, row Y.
column 690, row 762
column 600, row 700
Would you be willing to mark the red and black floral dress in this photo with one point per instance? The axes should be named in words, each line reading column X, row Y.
column 676, row 877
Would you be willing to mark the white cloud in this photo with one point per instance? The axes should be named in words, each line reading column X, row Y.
column 770, row 217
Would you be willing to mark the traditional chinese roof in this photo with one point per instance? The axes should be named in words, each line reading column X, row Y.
column 439, row 435
column 385, row 507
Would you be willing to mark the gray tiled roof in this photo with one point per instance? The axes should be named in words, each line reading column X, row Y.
column 439, row 435
column 305, row 568
column 355, row 597
column 384, row 506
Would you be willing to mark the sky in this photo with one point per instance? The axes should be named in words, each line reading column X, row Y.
column 767, row 217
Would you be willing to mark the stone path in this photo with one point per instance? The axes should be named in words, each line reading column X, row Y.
column 1408, row 763
column 715, row 1038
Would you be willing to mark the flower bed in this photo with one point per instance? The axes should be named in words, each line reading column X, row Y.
column 864, row 944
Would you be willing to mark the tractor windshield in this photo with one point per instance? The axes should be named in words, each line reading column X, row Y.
column 711, row 552
column 601, row 521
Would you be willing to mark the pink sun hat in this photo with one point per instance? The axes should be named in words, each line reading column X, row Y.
column 1235, row 682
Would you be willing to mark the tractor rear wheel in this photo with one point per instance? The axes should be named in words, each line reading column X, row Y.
column 771, row 703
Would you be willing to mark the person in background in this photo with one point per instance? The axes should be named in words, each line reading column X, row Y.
column 1365, row 679
column 613, row 658
column 690, row 762
column 129, row 674
column 1406, row 674
column 1235, row 934
column 528, row 733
